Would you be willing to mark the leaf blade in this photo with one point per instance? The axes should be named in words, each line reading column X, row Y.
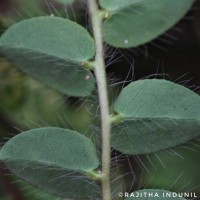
column 157, row 114
column 48, row 145
column 136, row 22
column 52, row 159
column 65, row 1
column 56, row 181
column 54, row 42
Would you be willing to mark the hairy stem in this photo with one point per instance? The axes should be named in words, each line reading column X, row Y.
column 100, row 73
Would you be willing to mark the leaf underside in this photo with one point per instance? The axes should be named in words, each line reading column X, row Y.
column 56, row 181
column 135, row 22
column 157, row 114
column 155, row 194
column 51, row 50
column 55, row 160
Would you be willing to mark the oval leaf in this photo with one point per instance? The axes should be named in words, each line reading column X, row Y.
column 58, row 161
column 135, row 22
column 155, row 194
column 52, row 50
column 157, row 114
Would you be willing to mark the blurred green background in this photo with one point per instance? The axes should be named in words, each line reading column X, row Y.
column 26, row 103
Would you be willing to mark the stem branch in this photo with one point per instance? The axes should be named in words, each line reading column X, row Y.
column 100, row 73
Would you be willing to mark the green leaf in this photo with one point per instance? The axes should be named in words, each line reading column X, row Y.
column 52, row 50
column 155, row 194
column 114, row 5
column 157, row 114
column 135, row 22
column 65, row 1
column 58, row 161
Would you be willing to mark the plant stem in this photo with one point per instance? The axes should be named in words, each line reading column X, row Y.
column 100, row 73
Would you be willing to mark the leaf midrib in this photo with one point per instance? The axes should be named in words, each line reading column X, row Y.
column 21, row 48
column 127, row 118
column 51, row 165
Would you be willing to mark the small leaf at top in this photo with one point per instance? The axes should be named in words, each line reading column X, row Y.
column 135, row 22
column 65, row 1
column 157, row 114
column 52, row 50
column 113, row 5
column 155, row 194
column 56, row 160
